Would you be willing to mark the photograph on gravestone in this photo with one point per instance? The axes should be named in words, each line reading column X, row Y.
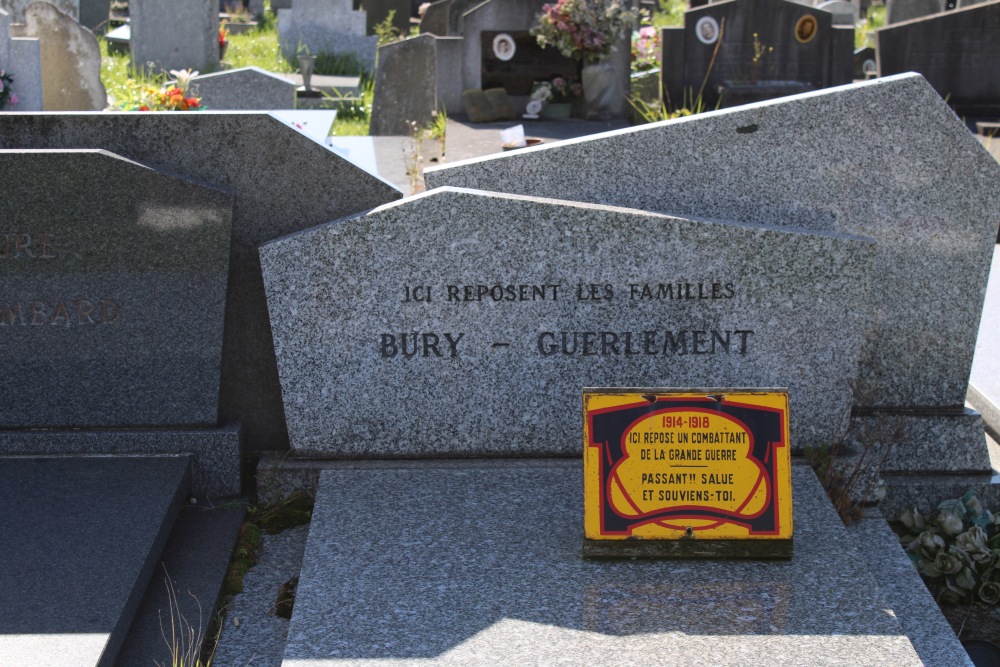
column 267, row 165
column 523, row 63
column 686, row 473
column 115, row 289
column 933, row 229
column 375, row 338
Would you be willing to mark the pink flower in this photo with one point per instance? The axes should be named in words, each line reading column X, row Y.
column 13, row 98
column 647, row 31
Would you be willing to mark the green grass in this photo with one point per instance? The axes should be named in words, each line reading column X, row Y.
column 256, row 48
column 864, row 33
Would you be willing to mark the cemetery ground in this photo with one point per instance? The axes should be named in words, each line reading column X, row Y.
column 411, row 465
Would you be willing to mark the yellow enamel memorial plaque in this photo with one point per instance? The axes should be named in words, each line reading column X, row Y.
column 687, row 473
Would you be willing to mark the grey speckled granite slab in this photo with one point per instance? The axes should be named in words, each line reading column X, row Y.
column 530, row 301
column 984, row 385
column 82, row 537
column 282, row 181
column 482, row 566
column 886, row 158
column 114, row 292
column 215, row 453
column 905, row 593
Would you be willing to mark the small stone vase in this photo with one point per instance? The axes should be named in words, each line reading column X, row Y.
column 602, row 90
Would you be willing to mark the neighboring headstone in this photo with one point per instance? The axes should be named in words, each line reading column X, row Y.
column 405, row 85
column 326, row 26
column 865, row 63
column 71, row 59
column 958, row 52
column 381, row 320
column 750, row 50
column 21, row 57
column 435, row 18
column 414, row 77
column 181, row 34
column 245, row 88
column 282, row 182
column 16, row 8
column 115, row 276
column 94, row 13
column 897, row 11
column 935, row 229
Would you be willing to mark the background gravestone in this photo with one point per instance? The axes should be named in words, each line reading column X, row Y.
column 786, row 65
column 94, row 13
column 16, row 8
column 282, row 182
column 181, row 34
column 326, row 26
column 906, row 10
column 22, row 58
column 244, row 88
column 114, row 280
column 405, row 85
column 426, row 328
column 71, row 60
column 776, row 164
column 958, row 52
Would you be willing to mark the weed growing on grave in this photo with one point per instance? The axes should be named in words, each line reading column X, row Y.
column 386, row 32
column 272, row 518
column 851, row 482
column 185, row 640
column 438, row 127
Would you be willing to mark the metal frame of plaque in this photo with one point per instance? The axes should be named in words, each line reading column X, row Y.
column 687, row 473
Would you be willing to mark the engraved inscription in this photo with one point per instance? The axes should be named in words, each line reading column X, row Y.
column 27, row 245
column 64, row 312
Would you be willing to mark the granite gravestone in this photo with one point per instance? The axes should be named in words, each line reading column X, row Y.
column 16, row 8
column 857, row 171
column 21, row 57
column 756, row 49
column 897, row 11
column 282, row 182
column 405, row 85
column 958, row 52
column 427, row 328
column 244, row 88
column 114, row 297
column 94, row 13
column 71, row 59
column 326, row 26
column 182, row 34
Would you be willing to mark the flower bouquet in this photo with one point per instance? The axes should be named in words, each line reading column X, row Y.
column 7, row 96
column 557, row 91
column 584, row 29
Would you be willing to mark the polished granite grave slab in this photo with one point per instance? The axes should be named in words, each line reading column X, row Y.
column 81, row 539
column 424, row 564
